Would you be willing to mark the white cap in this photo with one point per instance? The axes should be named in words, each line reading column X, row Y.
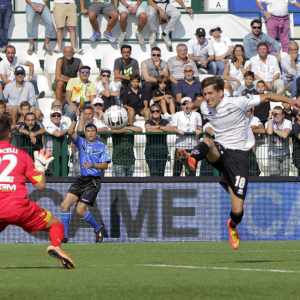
column 98, row 101
column 215, row 26
column 184, row 99
column 55, row 111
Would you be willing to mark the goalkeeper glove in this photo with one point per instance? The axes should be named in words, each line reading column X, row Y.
column 42, row 160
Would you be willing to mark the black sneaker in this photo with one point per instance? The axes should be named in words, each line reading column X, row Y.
column 41, row 95
column 99, row 234
column 65, row 240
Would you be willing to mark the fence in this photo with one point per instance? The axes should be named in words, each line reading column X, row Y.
column 154, row 154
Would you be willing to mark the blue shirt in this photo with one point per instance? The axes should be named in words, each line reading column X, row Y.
column 188, row 90
column 94, row 153
column 250, row 44
column 241, row 88
column 286, row 66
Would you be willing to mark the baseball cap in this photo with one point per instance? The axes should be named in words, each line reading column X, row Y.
column 55, row 111
column 19, row 69
column 85, row 67
column 200, row 31
column 98, row 101
column 215, row 26
column 186, row 99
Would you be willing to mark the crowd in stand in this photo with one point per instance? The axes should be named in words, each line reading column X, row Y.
column 159, row 91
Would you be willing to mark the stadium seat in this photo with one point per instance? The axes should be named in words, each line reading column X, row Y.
column 165, row 55
column 140, row 56
column 88, row 59
column 203, row 76
column 43, row 85
column 50, row 66
column 44, row 104
column 108, row 60
column 33, row 58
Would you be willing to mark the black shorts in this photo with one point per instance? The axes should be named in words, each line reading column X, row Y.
column 86, row 188
column 138, row 110
column 234, row 165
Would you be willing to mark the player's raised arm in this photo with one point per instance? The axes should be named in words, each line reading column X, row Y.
column 279, row 98
column 71, row 130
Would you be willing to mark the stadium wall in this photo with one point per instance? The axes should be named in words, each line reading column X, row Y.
column 140, row 209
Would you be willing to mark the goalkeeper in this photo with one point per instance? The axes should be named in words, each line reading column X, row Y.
column 15, row 208
column 93, row 156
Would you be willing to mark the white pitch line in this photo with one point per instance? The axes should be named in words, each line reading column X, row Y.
column 219, row 268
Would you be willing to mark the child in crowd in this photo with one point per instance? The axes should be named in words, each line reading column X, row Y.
column 164, row 97
column 106, row 89
column 134, row 99
column 24, row 109
column 248, row 88
column 3, row 108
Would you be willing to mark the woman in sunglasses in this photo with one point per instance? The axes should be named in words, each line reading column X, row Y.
column 235, row 69
column 106, row 89
column 223, row 47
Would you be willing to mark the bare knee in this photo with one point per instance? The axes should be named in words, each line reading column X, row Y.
column 209, row 142
column 123, row 17
column 81, row 211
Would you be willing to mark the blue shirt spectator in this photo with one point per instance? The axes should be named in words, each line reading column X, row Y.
column 243, row 87
column 94, row 153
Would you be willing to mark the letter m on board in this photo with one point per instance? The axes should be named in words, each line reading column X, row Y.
column 121, row 206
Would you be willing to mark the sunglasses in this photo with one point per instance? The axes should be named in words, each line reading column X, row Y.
column 104, row 75
column 275, row 114
column 56, row 116
column 202, row 35
column 97, row 104
column 19, row 73
column 85, row 71
column 256, row 27
column 188, row 71
column 155, row 111
column 184, row 104
column 217, row 29
column 159, row 55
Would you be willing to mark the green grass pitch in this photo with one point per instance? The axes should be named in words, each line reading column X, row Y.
column 178, row 270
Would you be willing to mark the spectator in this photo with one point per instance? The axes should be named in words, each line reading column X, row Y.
column 296, row 143
column 223, row 47
column 65, row 15
column 123, row 154
column 187, row 87
column 8, row 65
column 125, row 8
column 3, row 108
column 235, row 69
column 248, row 88
column 262, row 110
column 176, row 65
column 33, row 8
column 164, row 97
column 19, row 91
column 32, row 130
column 156, row 151
column 252, row 39
column 106, row 89
column 202, row 52
column 96, row 8
column 289, row 113
column 5, row 16
column 57, row 128
column 266, row 68
column 24, row 110
column 278, row 129
column 151, row 68
column 1, row 93
column 98, row 106
column 161, row 9
column 185, row 121
column 277, row 19
column 67, row 67
column 124, row 67
column 135, row 101
column 290, row 65
column 80, row 91
column 257, row 128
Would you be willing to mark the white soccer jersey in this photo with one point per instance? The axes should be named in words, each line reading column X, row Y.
column 231, row 121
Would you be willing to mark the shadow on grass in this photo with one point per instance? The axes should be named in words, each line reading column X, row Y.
column 256, row 261
column 32, row 267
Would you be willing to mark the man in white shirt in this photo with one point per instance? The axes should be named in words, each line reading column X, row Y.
column 223, row 47
column 201, row 51
column 265, row 67
column 277, row 19
column 290, row 66
column 185, row 121
column 8, row 65
column 127, row 7
column 278, row 129
column 228, row 153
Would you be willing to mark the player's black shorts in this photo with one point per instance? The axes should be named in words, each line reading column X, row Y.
column 234, row 165
column 86, row 188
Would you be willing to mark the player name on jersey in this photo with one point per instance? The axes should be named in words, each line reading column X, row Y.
column 7, row 187
column 9, row 150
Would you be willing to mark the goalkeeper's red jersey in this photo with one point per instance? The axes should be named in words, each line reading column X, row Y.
column 15, row 166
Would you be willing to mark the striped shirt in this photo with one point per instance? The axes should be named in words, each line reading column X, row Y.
column 176, row 66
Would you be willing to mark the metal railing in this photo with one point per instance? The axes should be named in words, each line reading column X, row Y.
column 154, row 154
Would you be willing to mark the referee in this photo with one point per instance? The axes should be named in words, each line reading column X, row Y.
column 93, row 156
